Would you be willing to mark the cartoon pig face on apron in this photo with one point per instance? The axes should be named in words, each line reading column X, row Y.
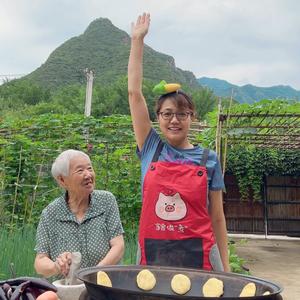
column 170, row 208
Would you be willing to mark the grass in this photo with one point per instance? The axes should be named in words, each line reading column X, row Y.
column 16, row 253
column 130, row 249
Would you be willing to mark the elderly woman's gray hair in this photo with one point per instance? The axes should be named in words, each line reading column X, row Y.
column 61, row 165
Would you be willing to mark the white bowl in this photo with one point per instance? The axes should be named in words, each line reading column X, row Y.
column 69, row 292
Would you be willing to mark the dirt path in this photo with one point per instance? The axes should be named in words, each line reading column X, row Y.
column 274, row 260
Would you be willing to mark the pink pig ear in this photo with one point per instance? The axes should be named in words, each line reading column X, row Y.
column 177, row 196
column 168, row 192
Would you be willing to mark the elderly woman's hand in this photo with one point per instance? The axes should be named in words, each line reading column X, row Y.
column 63, row 262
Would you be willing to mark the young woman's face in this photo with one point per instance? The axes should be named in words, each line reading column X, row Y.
column 174, row 124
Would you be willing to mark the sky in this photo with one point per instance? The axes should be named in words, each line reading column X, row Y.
column 243, row 42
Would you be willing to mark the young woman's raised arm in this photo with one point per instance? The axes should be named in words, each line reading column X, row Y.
column 138, row 107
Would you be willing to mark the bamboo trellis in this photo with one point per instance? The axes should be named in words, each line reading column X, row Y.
column 262, row 130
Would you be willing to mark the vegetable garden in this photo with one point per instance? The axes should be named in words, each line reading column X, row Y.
column 28, row 147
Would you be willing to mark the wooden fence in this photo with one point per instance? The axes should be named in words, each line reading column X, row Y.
column 277, row 213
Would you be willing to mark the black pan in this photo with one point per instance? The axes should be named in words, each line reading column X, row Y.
column 124, row 284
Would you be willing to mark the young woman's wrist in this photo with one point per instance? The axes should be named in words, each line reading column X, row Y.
column 137, row 39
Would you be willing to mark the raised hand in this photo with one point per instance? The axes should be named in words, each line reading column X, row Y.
column 140, row 28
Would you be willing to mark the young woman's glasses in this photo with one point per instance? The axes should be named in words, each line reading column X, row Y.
column 181, row 116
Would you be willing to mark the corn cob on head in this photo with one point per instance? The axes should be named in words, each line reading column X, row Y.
column 164, row 88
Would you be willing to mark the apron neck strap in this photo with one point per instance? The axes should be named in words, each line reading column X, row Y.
column 158, row 151
column 204, row 157
column 161, row 145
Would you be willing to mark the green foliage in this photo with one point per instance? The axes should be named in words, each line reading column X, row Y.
column 31, row 146
column 19, row 94
column 70, row 99
column 267, row 106
column 26, row 91
column 237, row 264
column 208, row 135
column 251, row 164
column 111, row 98
column 205, row 101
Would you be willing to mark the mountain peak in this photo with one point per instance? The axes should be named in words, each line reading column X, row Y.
column 100, row 23
column 105, row 49
column 103, row 28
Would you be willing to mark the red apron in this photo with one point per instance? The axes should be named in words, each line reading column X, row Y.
column 175, row 228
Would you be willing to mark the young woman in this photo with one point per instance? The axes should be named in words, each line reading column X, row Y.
column 182, row 221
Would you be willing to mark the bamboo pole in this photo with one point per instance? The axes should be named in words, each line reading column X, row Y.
column 226, row 137
column 217, row 146
column 35, row 189
column 16, row 189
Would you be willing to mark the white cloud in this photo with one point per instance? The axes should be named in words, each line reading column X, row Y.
column 237, row 40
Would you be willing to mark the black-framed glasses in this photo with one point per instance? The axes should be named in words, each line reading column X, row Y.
column 181, row 116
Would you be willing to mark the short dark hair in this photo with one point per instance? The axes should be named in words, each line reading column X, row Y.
column 179, row 98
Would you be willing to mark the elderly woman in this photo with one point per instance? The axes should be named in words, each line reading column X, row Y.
column 82, row 220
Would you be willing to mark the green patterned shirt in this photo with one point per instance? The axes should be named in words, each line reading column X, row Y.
column 59, row 231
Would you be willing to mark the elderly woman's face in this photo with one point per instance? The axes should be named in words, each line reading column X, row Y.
column 81, row 178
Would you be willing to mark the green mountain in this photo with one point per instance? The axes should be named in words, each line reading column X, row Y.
column 105, row 49
column 249, row 93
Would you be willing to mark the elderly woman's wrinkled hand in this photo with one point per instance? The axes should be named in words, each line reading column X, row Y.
column 63, row 262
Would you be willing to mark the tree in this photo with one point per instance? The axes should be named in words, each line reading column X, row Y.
column 24, row 91
column 205, row 101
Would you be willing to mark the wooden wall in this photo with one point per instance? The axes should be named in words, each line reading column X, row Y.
column 283, row 205
column 278, row 211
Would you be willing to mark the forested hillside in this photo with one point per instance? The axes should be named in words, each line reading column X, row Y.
column 58, row 85
column 105, row 49
column 249, row 93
